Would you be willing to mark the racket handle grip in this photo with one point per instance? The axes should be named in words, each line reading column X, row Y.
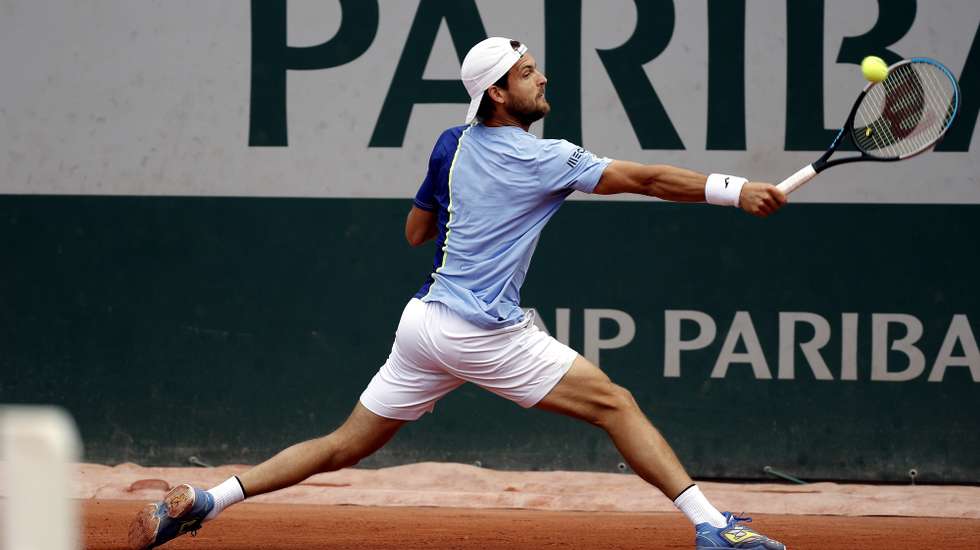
column 804, row 175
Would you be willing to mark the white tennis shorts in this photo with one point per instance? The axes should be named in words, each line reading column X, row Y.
column 436, row 351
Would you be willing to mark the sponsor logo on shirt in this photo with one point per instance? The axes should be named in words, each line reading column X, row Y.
column 575, row 157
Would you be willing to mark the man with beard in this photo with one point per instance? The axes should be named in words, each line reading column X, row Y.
column 490, row 189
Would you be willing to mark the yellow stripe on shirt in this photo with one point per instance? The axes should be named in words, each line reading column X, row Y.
column 449, row 223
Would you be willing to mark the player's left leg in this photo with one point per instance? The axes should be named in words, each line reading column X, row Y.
column 405, row 387
column 185, row 508
column 363, row 433
column 586, row 393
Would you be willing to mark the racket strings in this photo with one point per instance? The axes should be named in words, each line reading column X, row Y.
column 936, row 98
column 932, row 98
column 907, row 112
column 878, row 132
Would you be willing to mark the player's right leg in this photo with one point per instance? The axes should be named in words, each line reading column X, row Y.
column 588, row 394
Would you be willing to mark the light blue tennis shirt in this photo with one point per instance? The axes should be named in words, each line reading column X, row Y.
column 494, row 189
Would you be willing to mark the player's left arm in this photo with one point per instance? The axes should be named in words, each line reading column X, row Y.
column 682, row 185
column 420, row 226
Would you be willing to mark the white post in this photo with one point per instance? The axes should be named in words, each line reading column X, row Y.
column 39, row 447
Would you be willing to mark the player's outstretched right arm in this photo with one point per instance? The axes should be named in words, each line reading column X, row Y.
column 682, row 185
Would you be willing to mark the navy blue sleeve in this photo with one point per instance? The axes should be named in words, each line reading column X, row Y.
column 434, row 186
column 425, row 198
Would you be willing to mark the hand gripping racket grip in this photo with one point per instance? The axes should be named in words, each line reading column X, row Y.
column 790, row 184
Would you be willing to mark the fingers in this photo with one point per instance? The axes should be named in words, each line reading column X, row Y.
column 762, row 199
column 757, row 207
column 773, row 202
column 777, row 195
column 770, row 200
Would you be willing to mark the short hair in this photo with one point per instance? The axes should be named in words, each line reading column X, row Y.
column 486, row 104
column 485, row 110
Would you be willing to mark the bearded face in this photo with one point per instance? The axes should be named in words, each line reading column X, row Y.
column 528, row 110
column 525, row 99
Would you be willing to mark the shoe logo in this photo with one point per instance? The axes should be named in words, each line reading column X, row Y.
column 738, row 535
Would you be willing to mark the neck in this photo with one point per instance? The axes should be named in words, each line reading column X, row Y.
column 506, row 119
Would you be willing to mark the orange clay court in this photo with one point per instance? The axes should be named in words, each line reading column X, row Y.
column 282, row 526
column 449, row 506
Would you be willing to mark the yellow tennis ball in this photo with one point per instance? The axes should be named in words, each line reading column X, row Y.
column 874, row 68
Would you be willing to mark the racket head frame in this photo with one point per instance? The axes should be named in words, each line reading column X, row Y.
column 825, row 162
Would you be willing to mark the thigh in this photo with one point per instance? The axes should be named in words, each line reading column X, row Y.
column 366, row 430
column 585, row 392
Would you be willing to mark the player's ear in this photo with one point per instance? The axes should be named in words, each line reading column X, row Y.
column 496, row 94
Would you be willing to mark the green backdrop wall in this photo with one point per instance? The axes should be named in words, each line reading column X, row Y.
column 228, row 328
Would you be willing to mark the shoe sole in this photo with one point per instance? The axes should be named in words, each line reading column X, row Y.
column 179, row 501
column 144, row 528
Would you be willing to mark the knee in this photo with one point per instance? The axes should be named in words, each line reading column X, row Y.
column 337, row 452
column 347, row 459
column 613, row 403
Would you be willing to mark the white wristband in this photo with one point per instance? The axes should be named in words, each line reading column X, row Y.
column 723, row 189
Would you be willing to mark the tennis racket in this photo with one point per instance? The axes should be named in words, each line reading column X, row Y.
column 900, row 117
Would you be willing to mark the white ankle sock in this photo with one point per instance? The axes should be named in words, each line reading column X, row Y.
column 227, row 493
column 697, row 508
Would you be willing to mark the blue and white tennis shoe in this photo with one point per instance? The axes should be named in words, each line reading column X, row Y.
column 181, row 511
column 733, row 535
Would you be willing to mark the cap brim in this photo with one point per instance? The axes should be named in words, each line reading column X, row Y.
column 474, row 107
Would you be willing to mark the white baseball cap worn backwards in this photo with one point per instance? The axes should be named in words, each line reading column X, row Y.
column 485, row 63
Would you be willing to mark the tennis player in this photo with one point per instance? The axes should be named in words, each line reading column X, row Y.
column 490, row 189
